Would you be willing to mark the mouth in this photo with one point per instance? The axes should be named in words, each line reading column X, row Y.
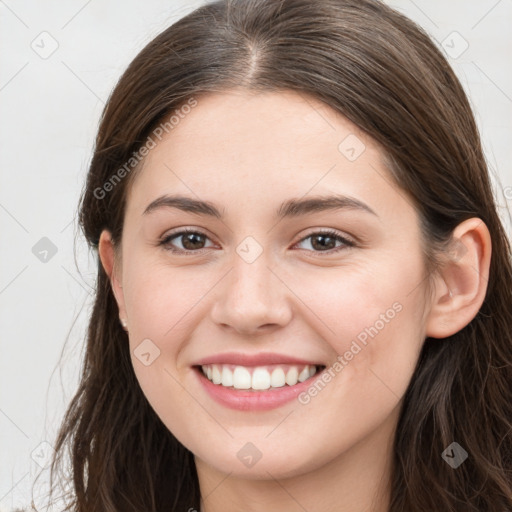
column 258, row 378
column 255, row 382
column 255, row 388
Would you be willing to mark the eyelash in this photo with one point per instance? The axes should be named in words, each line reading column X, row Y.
column 165, row 242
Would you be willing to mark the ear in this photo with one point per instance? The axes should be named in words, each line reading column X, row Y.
column 112, row 267
column 461, row 282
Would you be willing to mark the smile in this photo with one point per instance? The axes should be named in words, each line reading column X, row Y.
column 257, row 378
column 256, row 388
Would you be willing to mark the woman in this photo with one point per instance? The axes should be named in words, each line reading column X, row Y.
column 303, row 283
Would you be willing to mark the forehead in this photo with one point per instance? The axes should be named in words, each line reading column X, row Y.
column 267, row 121
column 246, row 148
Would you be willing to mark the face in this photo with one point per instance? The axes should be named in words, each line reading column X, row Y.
column 270, row 285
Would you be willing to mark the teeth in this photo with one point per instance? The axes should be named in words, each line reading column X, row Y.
column 260, row 379
column 241, row 378
column 216, row 375
column 304, row 374
column 292, row 376
column 227, row 377
column 257, row 378
column 278, row 379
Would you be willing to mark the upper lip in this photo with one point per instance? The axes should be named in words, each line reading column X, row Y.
column 260, row 359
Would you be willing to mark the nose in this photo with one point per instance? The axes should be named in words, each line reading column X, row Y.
column 252, row 299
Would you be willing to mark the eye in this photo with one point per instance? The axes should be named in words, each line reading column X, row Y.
column 191, row 241
column 325, row 241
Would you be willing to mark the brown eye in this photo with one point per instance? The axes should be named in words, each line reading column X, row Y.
column 190, row 241
column 326, row 241
column 323, row 242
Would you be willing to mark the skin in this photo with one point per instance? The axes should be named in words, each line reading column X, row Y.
column 248, row 153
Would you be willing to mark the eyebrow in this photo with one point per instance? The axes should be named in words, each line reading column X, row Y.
column 290, row 208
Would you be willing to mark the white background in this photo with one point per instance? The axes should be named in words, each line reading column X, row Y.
column 50, row 109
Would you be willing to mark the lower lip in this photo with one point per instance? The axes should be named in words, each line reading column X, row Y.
column 244, row 400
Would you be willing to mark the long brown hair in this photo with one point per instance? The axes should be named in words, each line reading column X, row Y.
column 382, row 72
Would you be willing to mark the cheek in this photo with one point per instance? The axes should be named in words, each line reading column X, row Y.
column 158, row 304
column 349, row 301
column 158, row 299
column 372, row 316
column 164, row 306
column 373, row 321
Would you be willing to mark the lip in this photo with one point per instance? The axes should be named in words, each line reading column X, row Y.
column 259, row 359
column 244, row 400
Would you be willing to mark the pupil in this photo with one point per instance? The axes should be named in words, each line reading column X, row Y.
column 322, row 244
column 191, row 239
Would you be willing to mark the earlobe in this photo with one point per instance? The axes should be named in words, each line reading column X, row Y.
column 461, row 282
column 108, row 260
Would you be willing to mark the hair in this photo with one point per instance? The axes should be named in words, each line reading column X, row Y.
column 383, row 73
